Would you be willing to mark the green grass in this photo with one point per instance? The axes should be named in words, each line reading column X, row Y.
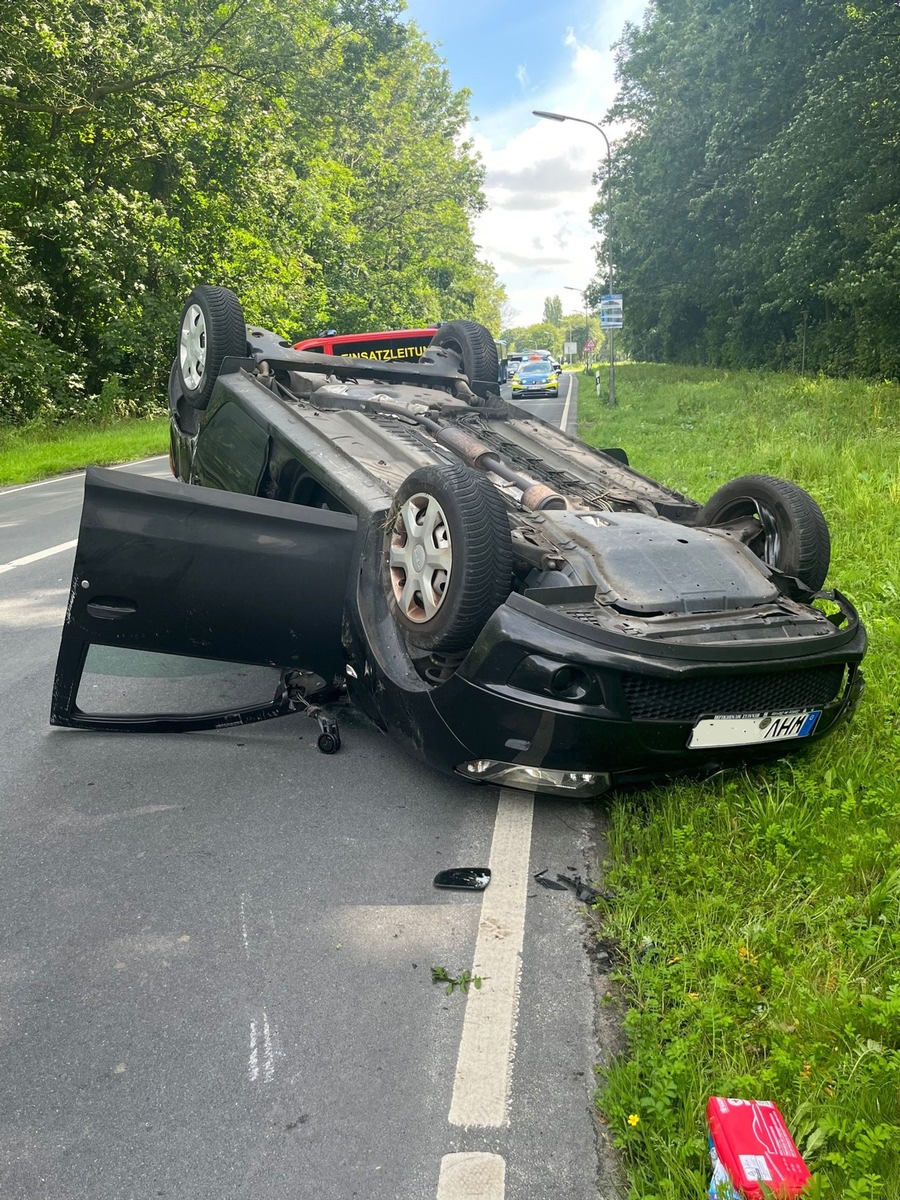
column 38, row 451
column 759, row 915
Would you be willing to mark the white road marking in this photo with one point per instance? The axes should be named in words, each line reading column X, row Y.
column 262, row 1050
column 268, row 1050
column 23, row 487
column 472, row 1176
column 138, row 462
column 565, row 415
column 244, row 935
column 484, row 1065
column 30, row 558
column 253, row 1062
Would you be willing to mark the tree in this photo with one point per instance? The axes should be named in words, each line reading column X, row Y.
column 307, row 153
column 553, row 310
column 756, row 190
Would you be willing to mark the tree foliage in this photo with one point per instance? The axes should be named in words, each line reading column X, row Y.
column 757, row 197
column 307, row 153
column 553, row 313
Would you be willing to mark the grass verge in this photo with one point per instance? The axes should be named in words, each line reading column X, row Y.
column 758, row 917
column 37, row 452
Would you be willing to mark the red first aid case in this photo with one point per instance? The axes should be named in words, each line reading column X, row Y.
column 755, row 1147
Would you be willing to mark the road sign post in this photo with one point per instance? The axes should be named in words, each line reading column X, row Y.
column 611, row 318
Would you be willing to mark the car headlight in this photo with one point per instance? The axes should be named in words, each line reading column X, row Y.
column 587, row 784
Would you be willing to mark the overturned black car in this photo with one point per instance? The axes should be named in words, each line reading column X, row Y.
column 514, row 605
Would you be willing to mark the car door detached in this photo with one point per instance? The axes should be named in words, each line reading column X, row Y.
column 179, row 570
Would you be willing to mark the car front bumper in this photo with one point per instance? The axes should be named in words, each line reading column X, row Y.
column 620, row 714
column 551, row 390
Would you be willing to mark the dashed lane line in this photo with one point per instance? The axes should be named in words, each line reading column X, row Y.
column 472, row 1176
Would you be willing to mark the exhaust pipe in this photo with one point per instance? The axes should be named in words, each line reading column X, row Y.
column 535, row 496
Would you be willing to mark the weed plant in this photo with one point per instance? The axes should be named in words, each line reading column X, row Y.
column 759, row 915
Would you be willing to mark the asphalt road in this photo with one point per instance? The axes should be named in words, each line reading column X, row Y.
column 216, row 951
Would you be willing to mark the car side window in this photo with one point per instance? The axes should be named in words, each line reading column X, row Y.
column 233, row 451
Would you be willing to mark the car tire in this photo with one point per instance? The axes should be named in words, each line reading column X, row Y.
column 475, row 346
column 446, row 580
column 793, row 535
column 211, row 329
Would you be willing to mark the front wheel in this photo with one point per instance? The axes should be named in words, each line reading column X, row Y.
column 790, row 532
column 448, row 556
column 212, row 328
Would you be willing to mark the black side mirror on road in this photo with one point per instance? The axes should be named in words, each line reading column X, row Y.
column 468, row 879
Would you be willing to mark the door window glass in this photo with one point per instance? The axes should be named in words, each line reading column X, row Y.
column 129, row 683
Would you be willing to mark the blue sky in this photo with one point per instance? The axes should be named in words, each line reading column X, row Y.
column 515, row 57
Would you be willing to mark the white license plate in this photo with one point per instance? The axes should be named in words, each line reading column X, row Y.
column 746, row 729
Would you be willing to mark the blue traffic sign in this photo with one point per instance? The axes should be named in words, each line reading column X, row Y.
column 611, row 311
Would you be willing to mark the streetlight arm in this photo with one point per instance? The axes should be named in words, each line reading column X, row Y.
column 550, row 116
column 553, row 116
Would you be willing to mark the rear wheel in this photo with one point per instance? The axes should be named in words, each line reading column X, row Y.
column 475, row 346
column 792, row 534
column 448, row 556
column 212, row 328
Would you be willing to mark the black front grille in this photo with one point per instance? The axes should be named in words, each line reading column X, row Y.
column 652, row 699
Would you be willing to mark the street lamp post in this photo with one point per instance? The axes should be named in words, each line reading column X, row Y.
column 552, row 116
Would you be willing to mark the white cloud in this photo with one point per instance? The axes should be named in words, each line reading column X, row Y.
column 537, row 231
